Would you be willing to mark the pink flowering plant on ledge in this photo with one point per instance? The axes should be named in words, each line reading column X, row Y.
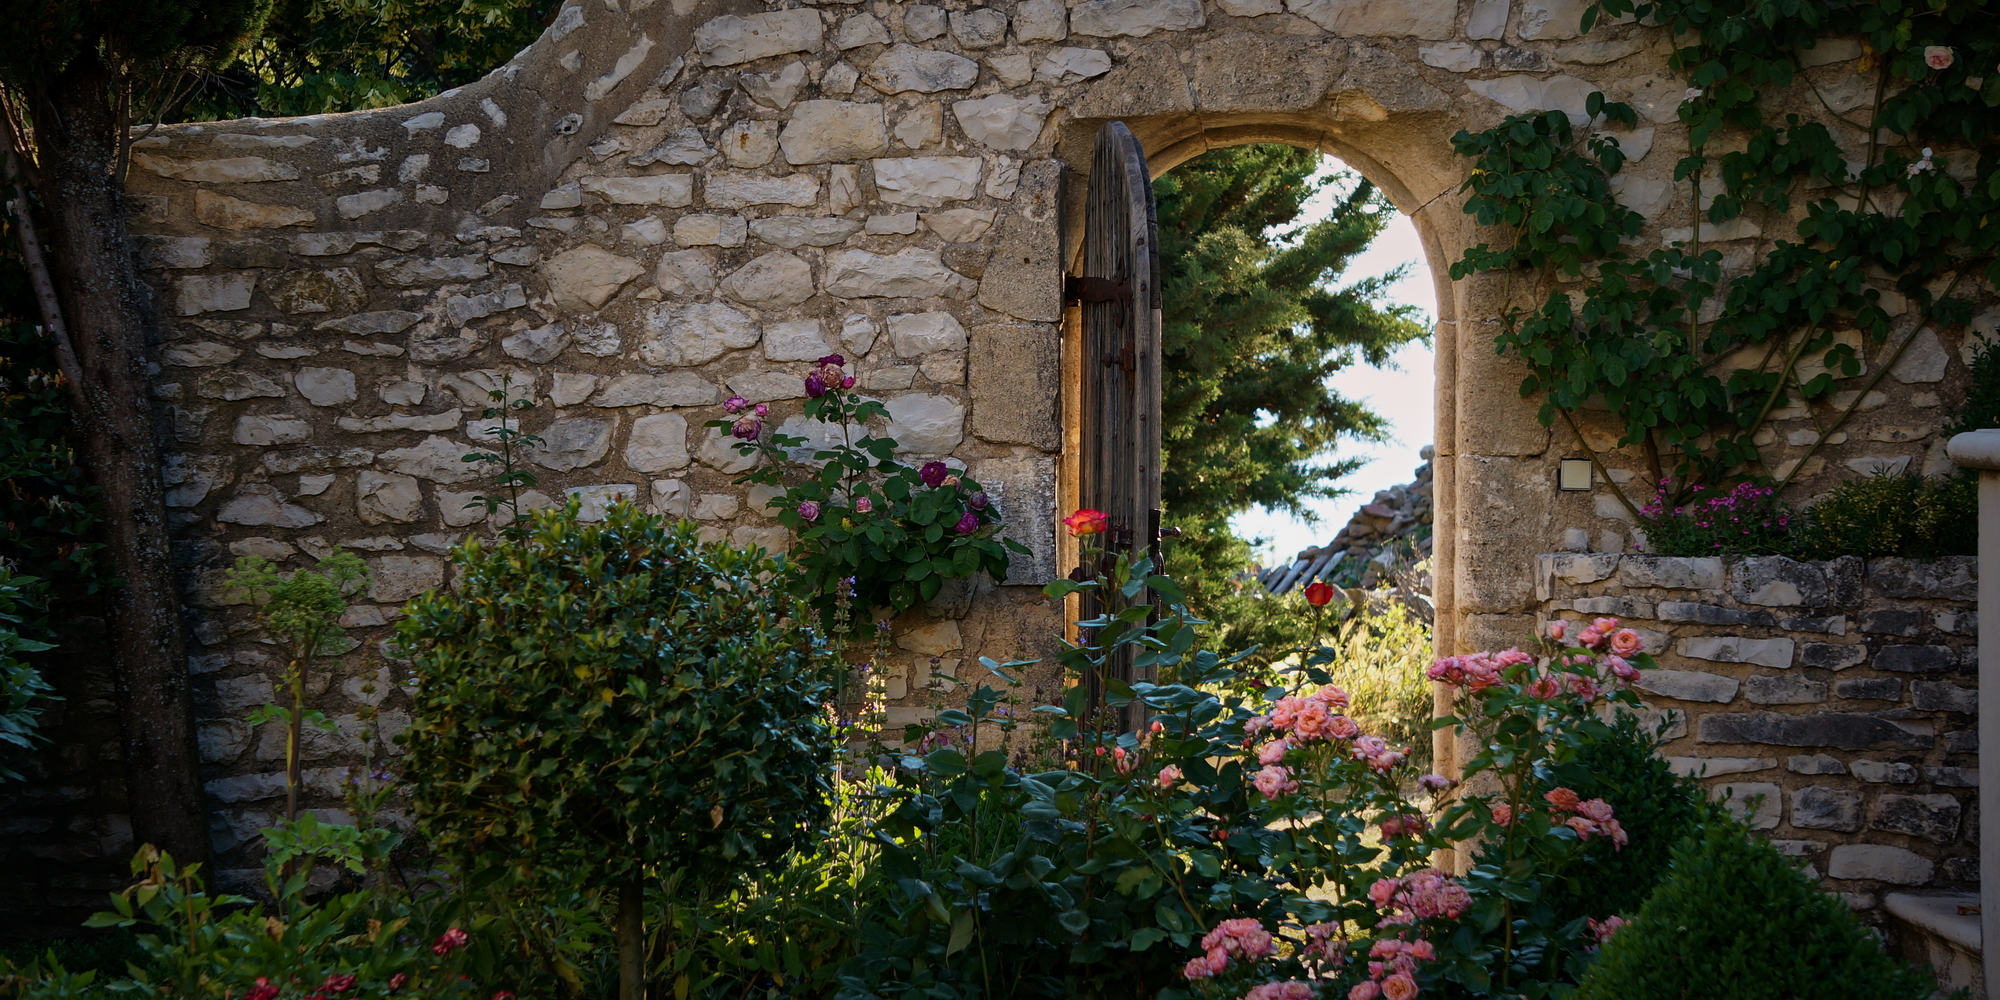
column 1248, row 840
column 867, row 527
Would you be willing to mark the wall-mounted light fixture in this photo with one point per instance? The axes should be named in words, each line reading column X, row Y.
column 1574, row 474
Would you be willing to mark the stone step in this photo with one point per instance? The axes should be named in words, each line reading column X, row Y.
column 1940, row 930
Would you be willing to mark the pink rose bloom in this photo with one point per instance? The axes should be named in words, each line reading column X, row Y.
column 1403, row 824
column 1311, row 721
column 1603, row 931
column 1606, row 625
column 1382, row 891
column 1503, row 814
column 1544, row 688
column 1364, row 991
column 1274, row 781
column 1255, row 726
column 1423, row 951
column 1279, row 991
column 1331, row 696
column 1197, row 968
column 1557, row 629
column 1285, row 712
column 1124, row 762
column 1590, row 638
column 1626, row 642
column 1341, row 727
column 1169, row 776
column 1399, row 987
column 1583, row 687
column 1623, row 671
column 1939, row 56
column 1434, row 782
column 1273, row 752
column 1595, row 810
column 1512, row 657
column 1562, row 799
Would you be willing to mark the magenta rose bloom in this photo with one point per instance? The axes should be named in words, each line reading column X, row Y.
column 735, row 404
column 747, row 428
column 832, row 359
column 815, row 386
column 933, row 474
column 978, row 500
column 864, row 505
column 968, row 524
column 809, row 511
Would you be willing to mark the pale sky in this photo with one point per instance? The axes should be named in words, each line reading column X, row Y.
column 1401, row 394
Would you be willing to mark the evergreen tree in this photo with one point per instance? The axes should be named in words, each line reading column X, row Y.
column 1254, row 327
column 323, row 56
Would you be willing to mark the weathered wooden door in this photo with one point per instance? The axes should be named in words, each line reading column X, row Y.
column 1119, row 293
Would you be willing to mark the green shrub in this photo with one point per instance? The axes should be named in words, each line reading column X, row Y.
column 1379, row 656
column 1734, row 920
column 620, row 701
column 1894, row 514
column 1749, row 519
column 23, row 691
column 1658, row 808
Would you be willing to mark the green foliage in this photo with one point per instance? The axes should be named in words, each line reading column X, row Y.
column 1748, row 520
column 1981, row 407
column 200, row 945
column 1894, row 514
column 1635, row 335
column 1657, row 807
column 23, row 691
column 47, row 505
column 871, row 531
column 47, row 36
column 1378, row 656
column 1734, row 920
column 513, row 478
column 616, row 699
column 320, row 56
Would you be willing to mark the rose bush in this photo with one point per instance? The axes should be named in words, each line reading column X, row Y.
column 869, row 529
column 1252, row 840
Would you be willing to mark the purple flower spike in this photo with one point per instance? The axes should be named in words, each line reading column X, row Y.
column 968, row 524
column 933, row 474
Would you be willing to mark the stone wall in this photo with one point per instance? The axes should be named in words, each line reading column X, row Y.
column 1832, row 703
column 663, row 202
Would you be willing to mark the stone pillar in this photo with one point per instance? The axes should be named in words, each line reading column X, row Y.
column 1981, row 450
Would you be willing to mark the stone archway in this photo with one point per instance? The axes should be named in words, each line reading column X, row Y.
column 663, row 202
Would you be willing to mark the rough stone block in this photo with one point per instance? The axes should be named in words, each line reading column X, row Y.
column 1953, row 578
column 1689, row 685
column 1880, row 863
column 1817, row 807
column 1759, row 804
column 1111, row 18
column 1829, row 656
column 1942, row 696
column 1674, row 572
column 1839, row 730
column 1870, row 689
column 1818, row 763
column 1784, row 689
column 1711, row 614
column 1731, row 649
column 1915, row 659
column 1775, row 581
column 1883, row 772
column 1932, row 817
column 732, row 40
column 1905, row 622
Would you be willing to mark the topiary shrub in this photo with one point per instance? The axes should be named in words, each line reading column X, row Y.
column 1734, row 920
column 619, row 702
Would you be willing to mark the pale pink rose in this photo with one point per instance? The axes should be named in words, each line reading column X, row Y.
column 1595, row 810
column 1625, row 672
column 1503, row 814
column 1434, row 782
column 1544, row 687
column 1341, row 727
column 1274, row 781
column 1423, row 951
column 1273, row 752
column 1331, row 696
column 1626, row 642
column 1197, row 968
column 1939, row 56
column 1562, row 799
column 1557, row 629
column 1590, row 638
column 1364, row 990
column 1169, row 776
column 1311, row 721
column 1382, row 891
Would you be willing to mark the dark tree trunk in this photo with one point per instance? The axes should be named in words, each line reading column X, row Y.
column 110, row 321
column 632, row 941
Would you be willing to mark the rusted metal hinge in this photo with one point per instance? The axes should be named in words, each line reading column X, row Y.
column 1076, row 289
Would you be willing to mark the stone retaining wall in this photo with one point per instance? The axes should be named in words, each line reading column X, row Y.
column 1831, row 703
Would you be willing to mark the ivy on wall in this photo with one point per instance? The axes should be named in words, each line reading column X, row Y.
column 1694, row 357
